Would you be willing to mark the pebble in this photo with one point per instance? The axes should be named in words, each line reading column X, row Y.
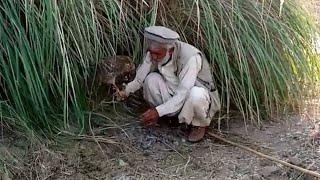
column 147, row 142
column 245, row 177
column 256, row 177
column 122, row 163
column 309, row 177
column 312, row 167
column 294, row 161
column 269, row 132
column 269, row 170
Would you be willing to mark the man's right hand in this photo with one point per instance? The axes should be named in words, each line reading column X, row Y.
column 121, row 95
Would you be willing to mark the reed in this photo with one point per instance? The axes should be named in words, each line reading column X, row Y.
column 261, row 53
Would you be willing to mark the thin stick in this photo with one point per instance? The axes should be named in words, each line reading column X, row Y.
column 313, row 173
column 186, row 165
column 93, row 135
column 89, row 138
column 174, row 149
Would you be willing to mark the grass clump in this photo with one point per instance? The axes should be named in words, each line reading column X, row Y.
column 263, row 60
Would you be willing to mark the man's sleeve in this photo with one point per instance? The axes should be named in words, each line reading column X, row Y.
column 141, row 74
column 187, row 77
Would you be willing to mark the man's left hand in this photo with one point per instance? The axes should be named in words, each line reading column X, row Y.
column 150, row 117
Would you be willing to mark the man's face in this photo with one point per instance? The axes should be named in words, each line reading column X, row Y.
column 157, row 53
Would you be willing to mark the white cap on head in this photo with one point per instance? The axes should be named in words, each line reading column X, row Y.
column 161, row 34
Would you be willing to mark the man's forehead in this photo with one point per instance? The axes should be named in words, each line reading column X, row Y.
column 154, row 44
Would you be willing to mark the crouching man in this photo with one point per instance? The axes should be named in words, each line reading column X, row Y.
column 176, row 81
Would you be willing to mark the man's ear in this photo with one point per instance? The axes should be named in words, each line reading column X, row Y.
column 171, row 51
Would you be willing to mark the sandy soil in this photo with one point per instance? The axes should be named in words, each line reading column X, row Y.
column 123, row 149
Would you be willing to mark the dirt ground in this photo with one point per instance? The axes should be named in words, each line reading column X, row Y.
column 123, row 149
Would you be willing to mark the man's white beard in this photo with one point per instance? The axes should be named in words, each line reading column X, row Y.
column 165, row 59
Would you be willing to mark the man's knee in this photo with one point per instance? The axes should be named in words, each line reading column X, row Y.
column 152, row 89
column 200, row 100
column 197, row 96
column 152, row 79
column 152, row 83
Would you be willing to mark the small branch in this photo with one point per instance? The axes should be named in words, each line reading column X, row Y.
column 90, row 138
column 306, row 171
column 173, row 149
column 93, row 135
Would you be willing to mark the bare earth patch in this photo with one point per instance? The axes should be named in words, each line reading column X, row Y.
column 161, row 152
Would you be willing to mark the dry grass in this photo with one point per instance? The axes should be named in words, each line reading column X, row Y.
column 133, row 151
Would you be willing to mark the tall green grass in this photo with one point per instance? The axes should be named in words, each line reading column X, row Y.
column 262, row 61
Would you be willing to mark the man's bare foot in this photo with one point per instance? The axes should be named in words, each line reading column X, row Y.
column 196, row 134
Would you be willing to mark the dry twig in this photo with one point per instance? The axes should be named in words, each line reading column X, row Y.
column 306, row 171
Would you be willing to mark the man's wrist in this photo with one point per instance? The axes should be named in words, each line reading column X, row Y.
column 161, row 111
column 126, row 90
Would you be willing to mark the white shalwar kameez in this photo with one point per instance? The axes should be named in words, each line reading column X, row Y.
column 171, row 94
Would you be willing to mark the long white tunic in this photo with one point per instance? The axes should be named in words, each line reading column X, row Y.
column 179, row 86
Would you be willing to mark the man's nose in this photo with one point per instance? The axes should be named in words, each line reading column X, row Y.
column 154, row 57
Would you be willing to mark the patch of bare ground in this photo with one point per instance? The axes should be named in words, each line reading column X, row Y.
column 124, row 149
